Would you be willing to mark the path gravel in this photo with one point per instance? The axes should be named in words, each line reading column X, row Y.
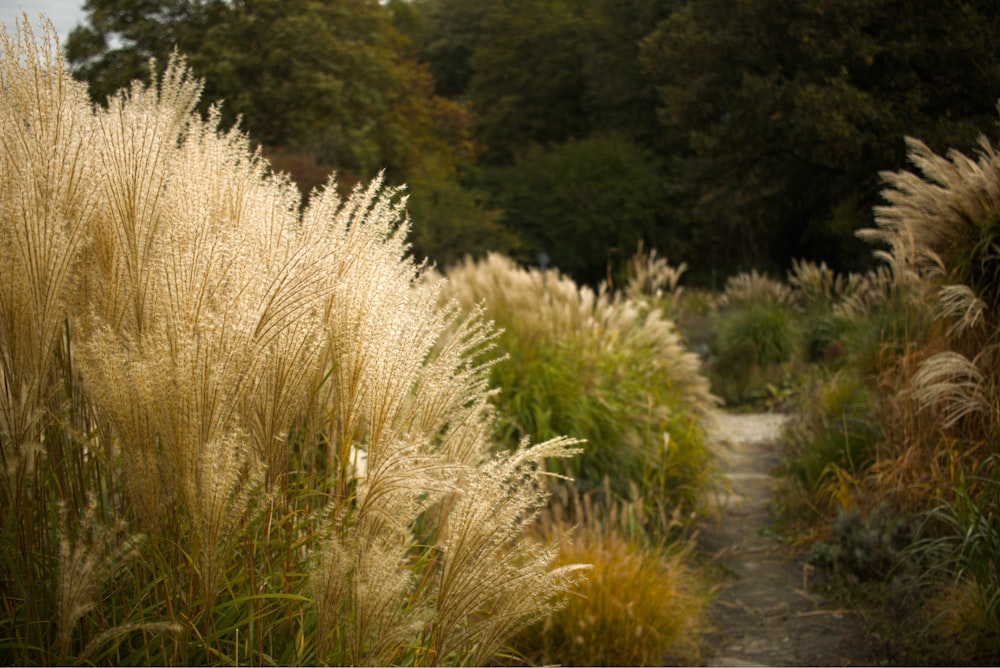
column 765, row 613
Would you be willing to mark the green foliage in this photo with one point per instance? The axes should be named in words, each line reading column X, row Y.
column 871, row 547
column 452, row 221
column 548, row 71
column 782, row 114
column 835, row 434
column 447, row 39
column 527, row 84
column 585, row 204
column 971, row 548
column 768, row 123
column 116, row 43
column 754, row 340
column 600, row 368
column 326, row 87
column 756, row 335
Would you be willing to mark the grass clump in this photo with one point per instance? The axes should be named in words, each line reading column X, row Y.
column 642, row 604
column 233, row 429
column 755, row 339
column 832, row 439
column 896, row 445
column 607, row 368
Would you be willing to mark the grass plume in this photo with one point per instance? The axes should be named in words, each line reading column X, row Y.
column 189, row 354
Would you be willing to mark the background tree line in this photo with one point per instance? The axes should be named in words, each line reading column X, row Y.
column 729, row 134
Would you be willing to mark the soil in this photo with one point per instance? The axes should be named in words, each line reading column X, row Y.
column 768, row 610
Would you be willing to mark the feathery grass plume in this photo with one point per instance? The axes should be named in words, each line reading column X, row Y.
column 866, row 294
column 954, row 383
column 945, row 223
column 531, row 305
column 652, row 277
column 222, row 335
column 48, row 197
column 201, row 280
column 361, row 582
column 815, row 284
column 754, row 288
column 945, row 217
column 87, row 561
column 961, row 305
column 492, row 582
column 601, row 367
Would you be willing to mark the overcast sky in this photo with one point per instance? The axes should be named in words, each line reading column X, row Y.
column 65, row 14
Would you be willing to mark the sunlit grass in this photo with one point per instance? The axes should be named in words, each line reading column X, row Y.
column 193, row 368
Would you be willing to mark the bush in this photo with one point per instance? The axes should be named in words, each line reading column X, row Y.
column 833, row 438
column 752, row 347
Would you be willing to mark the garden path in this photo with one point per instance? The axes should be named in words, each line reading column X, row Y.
column 766, row 613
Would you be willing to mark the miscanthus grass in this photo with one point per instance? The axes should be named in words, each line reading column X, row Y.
column 610, row 368
column 914, row 446
column 233, row 429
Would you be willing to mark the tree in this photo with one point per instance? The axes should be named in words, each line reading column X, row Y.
column 585, row 204
column 334, row 79
column 781, row 114
column 527, row 82
column 448, row 35
column 115, row 45
column 619, row 94
column 546, row 71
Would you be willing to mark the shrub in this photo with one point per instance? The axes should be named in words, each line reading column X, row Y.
column 192, row 370
column 754, row 343
column 868, row 547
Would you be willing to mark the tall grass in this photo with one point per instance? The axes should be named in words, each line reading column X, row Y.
column 233, row 430
column 918, row 343
column 643, row 604
column 940, row 228
column 610, row 369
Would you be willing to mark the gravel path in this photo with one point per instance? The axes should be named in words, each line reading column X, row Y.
column 765, row 612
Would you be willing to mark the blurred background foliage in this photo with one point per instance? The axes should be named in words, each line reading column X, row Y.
column 732, row 136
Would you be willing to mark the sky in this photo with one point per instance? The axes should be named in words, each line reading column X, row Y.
column 65, row 14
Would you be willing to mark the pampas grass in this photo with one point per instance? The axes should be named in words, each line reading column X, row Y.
column 189, row 356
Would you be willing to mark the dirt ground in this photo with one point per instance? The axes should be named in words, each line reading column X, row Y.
column 768, row 611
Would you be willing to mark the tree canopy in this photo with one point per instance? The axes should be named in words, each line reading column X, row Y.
column 781, row 114
column 763, row 124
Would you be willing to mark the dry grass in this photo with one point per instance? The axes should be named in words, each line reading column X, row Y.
column 187, row 354
column 641, row 605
